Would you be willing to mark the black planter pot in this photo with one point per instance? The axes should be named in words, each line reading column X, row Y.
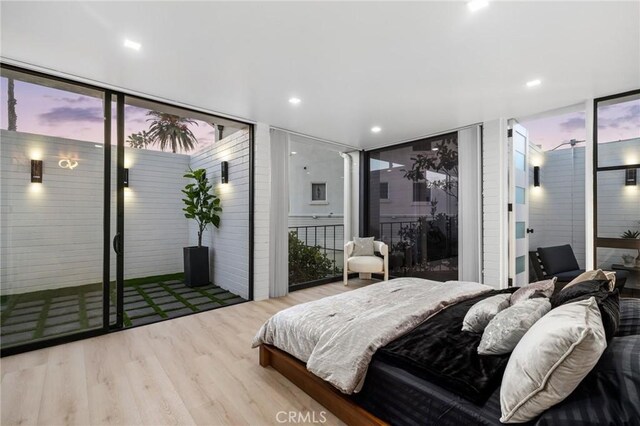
column 196, row 266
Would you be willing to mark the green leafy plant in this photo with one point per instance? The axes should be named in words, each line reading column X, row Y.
column 171, row 131
column 201, row 204
column 306, row 263
column 139, row 140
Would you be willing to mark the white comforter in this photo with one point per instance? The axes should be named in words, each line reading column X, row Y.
column 337, row 336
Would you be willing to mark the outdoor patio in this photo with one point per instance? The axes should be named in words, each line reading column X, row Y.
column 44, row 314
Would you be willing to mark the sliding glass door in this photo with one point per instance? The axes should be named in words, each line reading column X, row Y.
column 413, row 206
column 96, row 230
column 52, row 181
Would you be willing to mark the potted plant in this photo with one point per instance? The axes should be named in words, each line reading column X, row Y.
column 628, row 259
column 203, row 206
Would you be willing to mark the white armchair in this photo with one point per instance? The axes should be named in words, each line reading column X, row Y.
column 366, row 265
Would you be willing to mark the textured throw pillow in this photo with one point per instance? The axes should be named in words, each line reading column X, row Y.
column 506, row 329
column 482, row 312
column 551, row 360
column 362, row 246
column 582, row 290
column 608, row 302
column 611, row 276
column 544, row 287
column 596, row 274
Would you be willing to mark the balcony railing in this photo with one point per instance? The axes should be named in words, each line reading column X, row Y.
column 328, row 242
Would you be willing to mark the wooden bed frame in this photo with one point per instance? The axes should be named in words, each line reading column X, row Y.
column 331, row 398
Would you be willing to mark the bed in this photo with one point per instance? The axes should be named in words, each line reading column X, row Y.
column 420, row 363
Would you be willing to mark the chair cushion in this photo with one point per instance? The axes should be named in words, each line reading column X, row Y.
column 365, row 264
column 558, row 259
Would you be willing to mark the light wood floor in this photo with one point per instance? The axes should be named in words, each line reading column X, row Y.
column 198, row 369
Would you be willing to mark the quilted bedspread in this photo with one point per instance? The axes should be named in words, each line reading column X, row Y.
column 337, row 336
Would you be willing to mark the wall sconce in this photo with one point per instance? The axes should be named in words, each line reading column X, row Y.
column 36, row 171
column 125, row 178
column 224, row 171
column 631, row 177
column 536, row 176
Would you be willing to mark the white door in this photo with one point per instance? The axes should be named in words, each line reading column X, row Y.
column 518, row 204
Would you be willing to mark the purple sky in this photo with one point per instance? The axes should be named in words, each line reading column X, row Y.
column 615, row 122
column 44, row 110
column 48, row 111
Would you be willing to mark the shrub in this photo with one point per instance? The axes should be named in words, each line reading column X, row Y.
column 306, row 263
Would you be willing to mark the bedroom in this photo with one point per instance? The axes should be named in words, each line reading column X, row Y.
column 414, row 130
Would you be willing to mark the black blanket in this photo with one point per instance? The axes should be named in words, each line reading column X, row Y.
column 439, row 351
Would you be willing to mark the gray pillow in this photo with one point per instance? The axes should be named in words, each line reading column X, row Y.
column 482, row 312
column 362, row 246
column 506, row 329
column 551, row 360
column 544, row 287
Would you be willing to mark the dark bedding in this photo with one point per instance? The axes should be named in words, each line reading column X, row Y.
column 609, row 395
column 438, row 351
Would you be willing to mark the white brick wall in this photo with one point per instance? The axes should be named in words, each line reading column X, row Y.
column 229, row 244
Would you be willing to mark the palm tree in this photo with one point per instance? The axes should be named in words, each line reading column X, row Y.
column 168, row 130
column 11, row 103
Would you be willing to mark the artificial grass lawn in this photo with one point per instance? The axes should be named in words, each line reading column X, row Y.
column 48, row 313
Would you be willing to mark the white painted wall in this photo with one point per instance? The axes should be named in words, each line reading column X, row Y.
column 314, row 162
column 229, row 244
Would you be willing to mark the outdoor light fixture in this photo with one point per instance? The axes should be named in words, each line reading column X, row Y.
column 36, row 171
column 630, row 177
column 536, row 176
column 224, row 171
column 125, row 178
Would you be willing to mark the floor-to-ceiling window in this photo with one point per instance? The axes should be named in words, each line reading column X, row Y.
column 616, row 189
column 100, row 228
column 316, row 211
column 412, row 206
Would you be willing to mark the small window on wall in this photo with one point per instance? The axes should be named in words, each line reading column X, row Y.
column 421, row 193
column 319, row 193
column 384, row 190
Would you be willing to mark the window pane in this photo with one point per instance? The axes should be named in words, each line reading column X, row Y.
column 52, row 226
column 418, row 219
column 618, row 205
column 520, row 161
column 619, row 131
column 613, row 259
column 520, row 230
column 520, row 195
column 520, row 264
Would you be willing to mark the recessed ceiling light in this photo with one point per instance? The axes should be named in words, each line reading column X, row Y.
column 534, row 83
column 132, row 44
column 294, row 101
column 474, row 5
column 376, row 129
column 434, row 149
column 293, row 153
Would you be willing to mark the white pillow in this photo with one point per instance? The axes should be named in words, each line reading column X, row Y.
column 544, row 287
column 551, row 360
column 507, row 328
column 482, row 312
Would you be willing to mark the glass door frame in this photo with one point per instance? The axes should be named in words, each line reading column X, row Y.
column 117, row 244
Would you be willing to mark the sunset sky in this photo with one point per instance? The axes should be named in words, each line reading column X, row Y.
column 48, row 111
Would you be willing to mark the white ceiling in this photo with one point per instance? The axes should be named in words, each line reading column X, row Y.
column 410, row 68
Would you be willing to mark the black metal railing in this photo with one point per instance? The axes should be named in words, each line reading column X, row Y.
column 324, row 240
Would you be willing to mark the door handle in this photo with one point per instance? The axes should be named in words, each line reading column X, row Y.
column 116, row 244
column 529, row 230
